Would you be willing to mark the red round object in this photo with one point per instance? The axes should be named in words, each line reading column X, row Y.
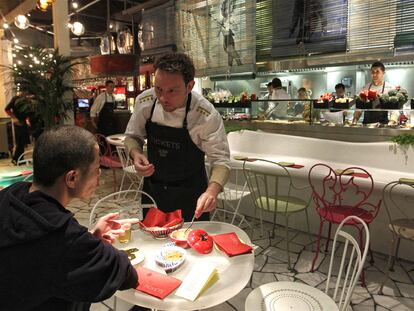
column 200, row 241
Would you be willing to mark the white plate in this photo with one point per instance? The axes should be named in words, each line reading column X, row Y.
column 139, row 256
column 9, row 174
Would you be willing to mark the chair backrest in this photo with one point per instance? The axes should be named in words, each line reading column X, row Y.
column 107, row 156
column 269, row 184
column 350, row 187
column 130, row 200
column 26, row 158
column 349, row 265
column 124, row 157
column 395, row 196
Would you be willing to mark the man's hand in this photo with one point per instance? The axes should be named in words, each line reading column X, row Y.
column 108, row 227
column 141, row 164
column 207, row 201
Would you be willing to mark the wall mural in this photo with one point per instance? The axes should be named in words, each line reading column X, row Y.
column 218, row 34
column 304, row 27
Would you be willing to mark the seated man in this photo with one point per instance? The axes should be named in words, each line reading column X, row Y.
column 48, row 260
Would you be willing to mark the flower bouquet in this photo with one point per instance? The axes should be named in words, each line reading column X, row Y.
column 365, row 99
column 323, row 102
column 395, row 99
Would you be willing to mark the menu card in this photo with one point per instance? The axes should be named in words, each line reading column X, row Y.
column 201, row 277
column 156, row 284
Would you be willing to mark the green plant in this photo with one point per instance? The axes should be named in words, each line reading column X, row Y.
column 403, row 140
column 45, row 75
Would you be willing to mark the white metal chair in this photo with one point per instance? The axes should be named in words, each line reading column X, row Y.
column 26, row 158
column 395, row 196
column 121, row 200
column 272, row 190
column 233, row 193
column 128, row 169
column 296, row 296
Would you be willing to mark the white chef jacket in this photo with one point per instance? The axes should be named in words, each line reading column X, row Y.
column 204, row 125
column 99, row 103
column 278, row 109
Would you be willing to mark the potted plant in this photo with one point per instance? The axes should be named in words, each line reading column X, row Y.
column 45, row 75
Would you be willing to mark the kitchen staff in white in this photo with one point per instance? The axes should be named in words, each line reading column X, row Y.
column 278, row 109
column 181, row 127
column 382, row 87
column 102, row 111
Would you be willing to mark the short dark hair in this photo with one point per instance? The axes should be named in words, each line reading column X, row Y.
column 378, row 65
column 61, row 149
column 176, row 63
column 276, row 83
column 269, row 84
column 109, row 82
column 340, row 86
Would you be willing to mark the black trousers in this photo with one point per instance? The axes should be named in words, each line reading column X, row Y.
column 22, row 139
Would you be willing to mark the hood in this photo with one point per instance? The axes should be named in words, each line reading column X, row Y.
column 28, row 216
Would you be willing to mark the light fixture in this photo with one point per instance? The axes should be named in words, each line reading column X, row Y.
column 5, row 26
column 15, row 40
column 21, row 21
column 75, row 5
column 78, row 29
column 44, row 4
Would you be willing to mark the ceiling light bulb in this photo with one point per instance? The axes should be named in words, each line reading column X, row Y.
column 111, row 26
column 5, row 26
column 15, row 40
column 78, row 29
column 21, row 21
column 75, row 5
column 42, row 4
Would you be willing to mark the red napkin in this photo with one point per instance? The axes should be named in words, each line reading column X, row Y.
column 362, row 175
column 28, row 172
column 297, row 166
column 231, row 244
column 156, row 284
column 157, row 218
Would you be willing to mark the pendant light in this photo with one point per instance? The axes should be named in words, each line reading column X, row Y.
column 78, row 29
column 44, row 4
column 21, row 21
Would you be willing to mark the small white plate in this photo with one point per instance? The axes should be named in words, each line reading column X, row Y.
column 9, row 174
column 139, row 256
column 167, row 263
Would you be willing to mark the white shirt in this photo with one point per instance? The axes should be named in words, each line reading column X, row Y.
column 204, row 124
column 99, row 103
column 278, row 109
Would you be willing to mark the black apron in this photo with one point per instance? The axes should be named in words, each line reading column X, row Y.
column 180, row 176
column 375, row 116
column 106, row 119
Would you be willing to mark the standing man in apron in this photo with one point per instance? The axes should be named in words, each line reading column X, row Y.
column 181, row 127
column 102, row 111
column 382, row 87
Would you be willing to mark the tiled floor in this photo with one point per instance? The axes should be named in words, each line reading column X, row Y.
column 271, row 265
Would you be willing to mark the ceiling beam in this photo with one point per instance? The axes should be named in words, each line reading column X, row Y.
column 145, row 6
column 23, row 8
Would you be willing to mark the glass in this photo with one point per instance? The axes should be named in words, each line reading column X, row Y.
column 126, row 238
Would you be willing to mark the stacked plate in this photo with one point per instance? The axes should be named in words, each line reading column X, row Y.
column 170, row 257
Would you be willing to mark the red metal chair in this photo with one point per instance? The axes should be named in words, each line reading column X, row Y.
column 108, row 157
column 338, row 194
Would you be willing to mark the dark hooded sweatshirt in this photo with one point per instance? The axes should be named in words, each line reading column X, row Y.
column 48, row 261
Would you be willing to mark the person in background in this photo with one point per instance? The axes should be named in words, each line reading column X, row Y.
column 382, row 87
column 53, row 261
column 278, row 109
column 102, row 111
column 299, row 106
column 263, row 106
column 18, row 109
column 180, row 126
column 340, row 90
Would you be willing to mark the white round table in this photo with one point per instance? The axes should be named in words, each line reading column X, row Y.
column 289, row 296
column 233, row 272
column 116, row 139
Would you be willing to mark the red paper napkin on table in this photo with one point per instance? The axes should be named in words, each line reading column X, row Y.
column 297, row 166
column 157, row 218
column 362, row 175
column 156, row 284
column 27, row 172
column 231, row 244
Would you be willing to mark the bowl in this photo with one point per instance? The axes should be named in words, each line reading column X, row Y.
column 179, row 237
column 170, row 257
